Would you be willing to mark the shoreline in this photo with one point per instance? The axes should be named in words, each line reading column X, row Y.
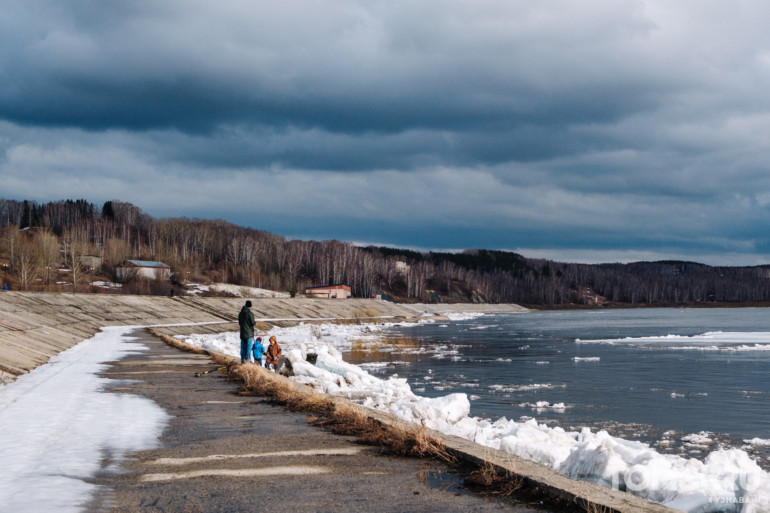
column 593, row 456
column 35, row 326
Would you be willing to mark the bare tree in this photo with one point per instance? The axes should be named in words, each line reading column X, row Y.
column 27, row 261
column 8, row 241
column 50, row 252
column 115, row 251
column 76, row 246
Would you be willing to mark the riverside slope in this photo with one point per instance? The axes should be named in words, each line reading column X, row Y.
column 36, row 326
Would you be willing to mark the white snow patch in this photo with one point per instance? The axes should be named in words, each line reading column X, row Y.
column 57, row 424
column 106, row 284
column 235, row 290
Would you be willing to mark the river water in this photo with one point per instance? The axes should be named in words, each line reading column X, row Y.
column 687, row 381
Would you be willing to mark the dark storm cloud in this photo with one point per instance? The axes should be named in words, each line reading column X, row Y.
column 195, row 67
column 616, row 126
column 317, row 149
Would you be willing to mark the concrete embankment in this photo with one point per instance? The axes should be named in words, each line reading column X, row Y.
column 36, row 326
column 450, row 308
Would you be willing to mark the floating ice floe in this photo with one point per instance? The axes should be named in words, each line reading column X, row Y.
column 757, row 442
column 710, row 341
column 545, row 405
column 702, row 439
column 524, row 388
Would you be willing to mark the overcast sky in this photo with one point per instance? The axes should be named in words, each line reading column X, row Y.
column 591, row 131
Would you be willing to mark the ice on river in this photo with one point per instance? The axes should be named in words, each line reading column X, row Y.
column 726, row 480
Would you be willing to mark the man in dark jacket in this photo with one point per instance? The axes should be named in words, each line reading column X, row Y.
column 246, row 322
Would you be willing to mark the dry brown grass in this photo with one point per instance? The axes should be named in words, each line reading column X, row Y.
column 384, row 342
column 591, row 507
column 361, row 348
column 495, row 480
column 490, row 479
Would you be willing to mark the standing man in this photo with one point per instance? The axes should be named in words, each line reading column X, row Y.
column 246, row 322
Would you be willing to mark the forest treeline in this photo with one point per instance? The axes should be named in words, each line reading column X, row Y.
column 36, row 239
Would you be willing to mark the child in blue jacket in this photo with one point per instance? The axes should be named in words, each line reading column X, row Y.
column 258, row 351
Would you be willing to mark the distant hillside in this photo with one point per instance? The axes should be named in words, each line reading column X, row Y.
column 36, row 240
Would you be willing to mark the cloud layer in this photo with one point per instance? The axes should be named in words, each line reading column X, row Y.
column 586, row 131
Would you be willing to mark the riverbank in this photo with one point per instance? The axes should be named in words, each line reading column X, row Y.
column 36, row 326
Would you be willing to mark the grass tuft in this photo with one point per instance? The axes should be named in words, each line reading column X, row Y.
column 591, row 507
column 495, row 481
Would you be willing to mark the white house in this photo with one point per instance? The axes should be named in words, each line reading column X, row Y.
column 142, row 269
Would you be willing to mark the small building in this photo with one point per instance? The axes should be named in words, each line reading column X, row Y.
column 91, row 261
column 142, row 269
column 338, row 291
column 401, row 267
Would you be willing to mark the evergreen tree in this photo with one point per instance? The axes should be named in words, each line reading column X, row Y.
column 108, row 212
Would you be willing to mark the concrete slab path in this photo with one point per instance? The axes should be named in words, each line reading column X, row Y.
column 228, row 453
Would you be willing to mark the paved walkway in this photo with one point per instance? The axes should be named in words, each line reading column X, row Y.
column 225, row 453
